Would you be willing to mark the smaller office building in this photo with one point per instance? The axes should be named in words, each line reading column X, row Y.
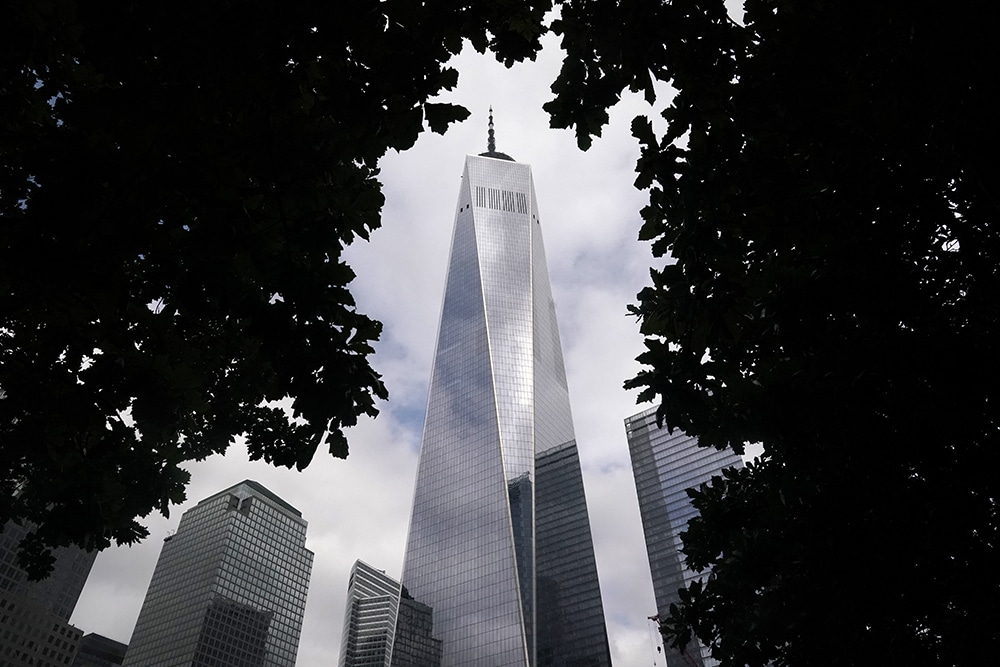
column 34, row 615
column 383, row 625
column 229, row 588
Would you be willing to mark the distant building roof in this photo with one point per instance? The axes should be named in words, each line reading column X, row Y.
column 262, row 490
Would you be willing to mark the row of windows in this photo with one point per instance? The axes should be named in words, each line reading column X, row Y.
column 13, row 655
column 501, row 200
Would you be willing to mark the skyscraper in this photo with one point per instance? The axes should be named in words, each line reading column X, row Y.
column 665, row 466
column 370, row 617
column 383, row 625
column 34, row 615
column 499, row 543
column 229, row 588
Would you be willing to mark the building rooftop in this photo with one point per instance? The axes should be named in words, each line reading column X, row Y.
column 262, row 490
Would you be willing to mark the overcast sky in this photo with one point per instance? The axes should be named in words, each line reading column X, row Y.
column 359, row 507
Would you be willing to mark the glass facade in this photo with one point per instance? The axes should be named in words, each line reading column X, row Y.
column 415, row 645
column 99, row 651
column 59, row 592
column 370, row 617
column 34, row 615
column 384, row 626
column 497, row 400
column 229, row 588
column 665, row 466
column 571, row 631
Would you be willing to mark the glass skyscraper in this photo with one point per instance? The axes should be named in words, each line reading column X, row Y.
column 499, row 544
column 384, row 626
column 229, row 588
column 34, row 615
column 665, row 466
column 370, row 617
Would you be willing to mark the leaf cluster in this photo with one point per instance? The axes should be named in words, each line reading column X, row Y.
column 825, row 200
column 177, row 186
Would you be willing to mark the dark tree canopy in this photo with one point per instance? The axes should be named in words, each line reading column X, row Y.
column 177, row 184
column 828, row 190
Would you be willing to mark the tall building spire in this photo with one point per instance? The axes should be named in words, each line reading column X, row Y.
column 491, row 144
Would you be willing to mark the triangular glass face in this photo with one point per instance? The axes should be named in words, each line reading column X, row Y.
column 497, row 400
column 460, row 557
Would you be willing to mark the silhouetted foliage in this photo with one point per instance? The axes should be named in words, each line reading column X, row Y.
column 177, row 184
column 827, row 189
